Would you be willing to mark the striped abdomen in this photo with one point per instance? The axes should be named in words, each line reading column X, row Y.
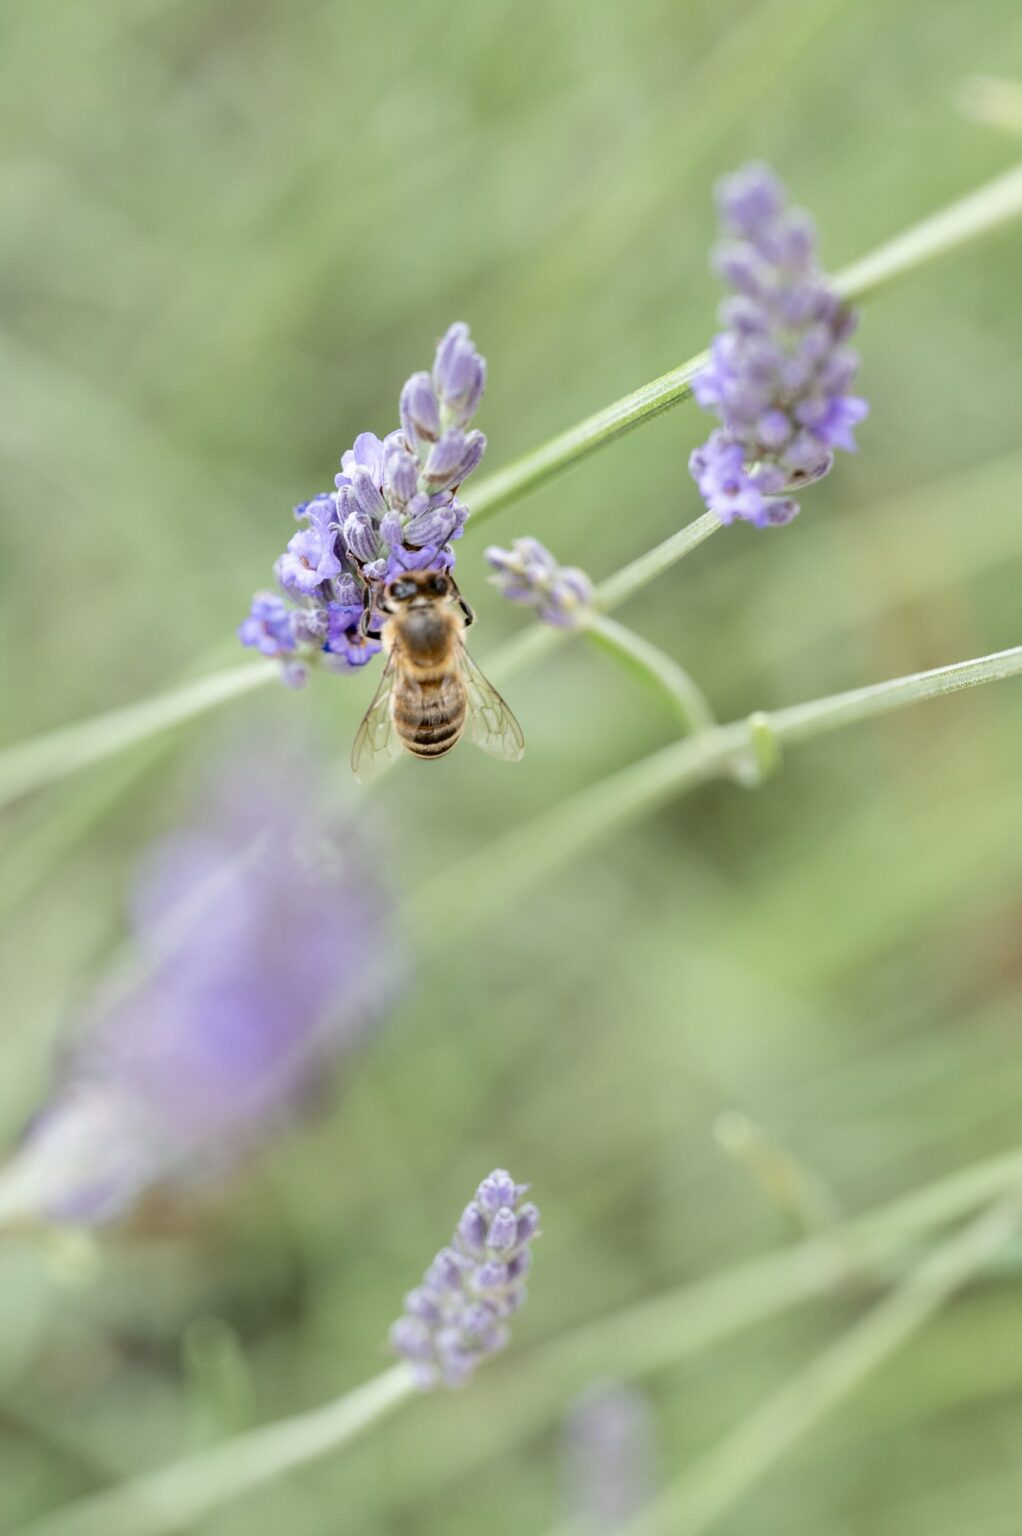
column 429, row 711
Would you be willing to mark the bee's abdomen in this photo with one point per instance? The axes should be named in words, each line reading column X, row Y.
column 429, row 716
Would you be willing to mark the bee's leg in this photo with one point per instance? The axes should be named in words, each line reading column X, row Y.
column 468, row 612
column 365, row 622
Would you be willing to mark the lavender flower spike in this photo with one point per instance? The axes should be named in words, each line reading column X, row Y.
column 528, row 573
column 394, row 508
column 780, row 371
column 459, row 1314
column 263, row 956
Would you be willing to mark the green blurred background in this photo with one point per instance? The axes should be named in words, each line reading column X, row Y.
column 227, row 234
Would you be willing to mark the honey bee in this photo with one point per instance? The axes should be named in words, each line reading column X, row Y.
column 431, row 688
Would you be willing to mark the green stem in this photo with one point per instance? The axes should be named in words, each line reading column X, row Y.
column 983, row 212
column 661, row 1331
column 650, row 1335
column 974, row 216
column 631, row 578
column 162, row 1502
column 647, row 662
column 58, row 753
column 527, row 854
column 535, row 468
column 47, row 758
column 711, row 1488
column 540, row 639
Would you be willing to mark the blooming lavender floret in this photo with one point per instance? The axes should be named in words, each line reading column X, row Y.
column 459, row 1314
column 780, row 371
column 394, row 508
column 269, row 627
column 528, row 573
column 263, row 953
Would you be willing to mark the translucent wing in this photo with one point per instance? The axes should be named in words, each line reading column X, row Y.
column 493, row 726
column 376, row 744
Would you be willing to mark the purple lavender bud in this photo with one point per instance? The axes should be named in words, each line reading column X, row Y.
column 742, row 269
column 459, row 374
column 269, row 627
column 475, row 447
column 434, row 526
column 807, row 455
column 518, row 1266
column 420, row 414
column 496, row 1191
column 473, row 1229
column 750, row 198
column 400, row 475
column 528, row 1223
column 424, row 1304
column 347, row 591
column 454, row 1320
column 491, row 1276
column 391, row 530
column 361, row 536
column 779, row 372
column 528, row 573
column 503, row 1231
column 366, row 492
column 412, row 1338
column 446, row 1272
column 265, row 953
column 773, row 429
column 442, row 468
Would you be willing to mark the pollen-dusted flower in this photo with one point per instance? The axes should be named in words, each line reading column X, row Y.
column 459, row 1314
column 528, row 573
column 262, row 953
column 780, row 371
column 394, row 508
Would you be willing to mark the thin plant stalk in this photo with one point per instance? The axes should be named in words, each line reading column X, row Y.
column 52, row 756
column 978, row 214
column 526, row 855
column 159, row 1503
column 705, row 1493
column 661, row 673
column 56, row 754
column 649, row 1335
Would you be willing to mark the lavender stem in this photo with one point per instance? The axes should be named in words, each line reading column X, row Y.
column 46, row 758
column 669, row 681
column 980, row 213
column 528, row 854
column 714, row 1485
column 168, row 1500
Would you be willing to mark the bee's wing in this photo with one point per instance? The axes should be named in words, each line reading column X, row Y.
column 494, row 727
column 376, row 744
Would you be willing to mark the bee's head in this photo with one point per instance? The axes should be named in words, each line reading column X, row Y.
column 417, row 588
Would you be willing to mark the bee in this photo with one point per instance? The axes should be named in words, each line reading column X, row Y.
column 431, row 688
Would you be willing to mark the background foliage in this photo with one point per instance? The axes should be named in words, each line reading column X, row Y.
column 227, row 233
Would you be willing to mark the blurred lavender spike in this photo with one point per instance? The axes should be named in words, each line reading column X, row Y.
column 610, row 1457
column 263, row 953
column 459, row 1314
column 780, row 371
column 528, row 573
column 394, row 508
